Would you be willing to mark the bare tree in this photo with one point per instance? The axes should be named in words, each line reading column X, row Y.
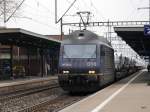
column 9, row 8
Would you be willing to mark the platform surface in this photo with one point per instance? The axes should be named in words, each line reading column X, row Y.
column 24, row 81
column 131, row 94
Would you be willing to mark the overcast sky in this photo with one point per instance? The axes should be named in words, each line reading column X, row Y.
column 39, row 15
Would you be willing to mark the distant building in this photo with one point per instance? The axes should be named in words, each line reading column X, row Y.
column 55, row 37
column 24, row 53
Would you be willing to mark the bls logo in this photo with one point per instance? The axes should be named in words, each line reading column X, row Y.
column 147, row 30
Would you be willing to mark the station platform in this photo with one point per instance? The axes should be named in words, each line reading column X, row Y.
column 11, row 86
column 131, row 94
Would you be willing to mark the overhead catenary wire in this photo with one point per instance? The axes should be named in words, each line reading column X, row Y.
column 134, row 11
column 72, row 15
column 77, row 8
column 42, row 23
column 60, row 19
column 85, row 4
column 32, row 18
column 45, row 7
column 38, row 15
column 97, row 10
column 34, row 12
column 29, row 18
column 34, row 8
column 15, row 10
column 9, row 8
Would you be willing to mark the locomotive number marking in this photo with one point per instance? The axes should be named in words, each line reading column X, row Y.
column 91, row 63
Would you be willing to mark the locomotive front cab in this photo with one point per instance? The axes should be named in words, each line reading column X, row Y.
column 79, row 67
column 78, row 59
column 81, row 62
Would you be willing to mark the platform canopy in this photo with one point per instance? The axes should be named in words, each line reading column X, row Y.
column 25, row 38
column 135, row 37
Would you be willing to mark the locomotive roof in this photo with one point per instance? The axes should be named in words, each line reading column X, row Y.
column 85, row 36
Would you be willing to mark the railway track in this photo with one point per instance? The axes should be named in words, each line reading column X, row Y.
column 35, row 107
column 47, row 99
column 22, row 99
column 53, row 105
column 26, row 92
column 50, row 98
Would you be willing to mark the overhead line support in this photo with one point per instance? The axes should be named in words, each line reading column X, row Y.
column 111, row 23
column 61, row 18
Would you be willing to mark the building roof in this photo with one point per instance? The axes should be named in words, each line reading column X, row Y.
column 22, row 37
column 134, row 36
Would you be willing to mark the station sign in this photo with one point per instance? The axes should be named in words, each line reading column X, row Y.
column 147, row 30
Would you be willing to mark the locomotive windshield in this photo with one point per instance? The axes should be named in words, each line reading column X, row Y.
column 79, row 51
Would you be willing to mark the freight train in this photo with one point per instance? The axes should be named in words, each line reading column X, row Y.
column 86, row 62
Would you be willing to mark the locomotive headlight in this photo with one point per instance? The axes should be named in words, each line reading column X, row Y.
column 65, row 72
column 91, row 72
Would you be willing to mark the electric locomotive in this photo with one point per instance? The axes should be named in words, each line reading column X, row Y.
column 86, row 62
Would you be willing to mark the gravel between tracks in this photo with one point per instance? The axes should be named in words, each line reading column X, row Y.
column 55, row 99
column 60, row 103
column 13, row 105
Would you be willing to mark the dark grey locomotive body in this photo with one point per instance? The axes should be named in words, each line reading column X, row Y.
column 86, row 62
